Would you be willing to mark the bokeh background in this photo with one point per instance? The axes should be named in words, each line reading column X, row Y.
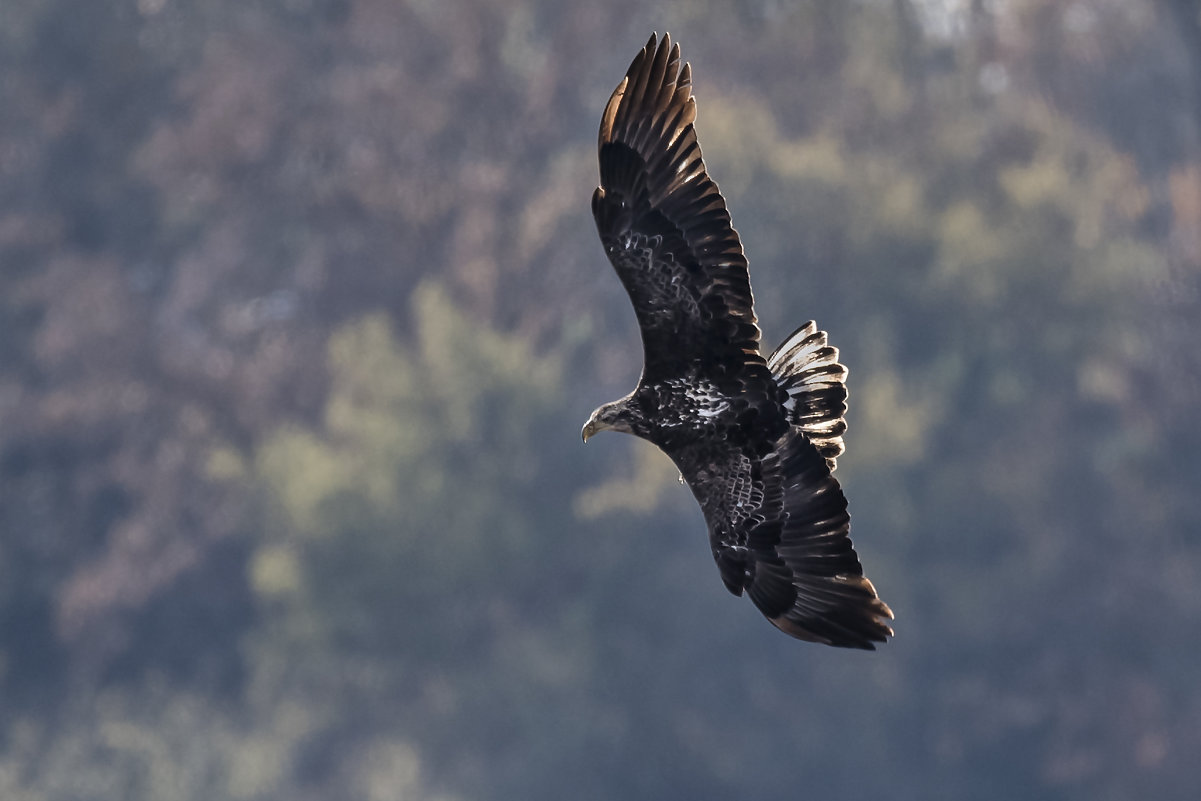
column 302, row 308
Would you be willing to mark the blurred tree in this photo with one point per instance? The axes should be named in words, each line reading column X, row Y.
column 262, row 539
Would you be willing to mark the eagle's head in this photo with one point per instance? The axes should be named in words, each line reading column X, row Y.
column 616, row 416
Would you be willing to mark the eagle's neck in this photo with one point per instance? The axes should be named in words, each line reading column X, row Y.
column 630, row 415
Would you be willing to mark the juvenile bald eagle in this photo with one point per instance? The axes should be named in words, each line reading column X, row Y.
column 756, row 439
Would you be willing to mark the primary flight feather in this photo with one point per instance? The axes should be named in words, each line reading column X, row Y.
column 756, row 439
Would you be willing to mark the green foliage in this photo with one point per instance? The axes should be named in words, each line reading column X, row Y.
column 414, row 483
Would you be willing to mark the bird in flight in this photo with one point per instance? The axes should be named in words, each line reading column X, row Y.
column 755, row 439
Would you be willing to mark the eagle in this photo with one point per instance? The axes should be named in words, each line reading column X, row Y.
column 755, row 439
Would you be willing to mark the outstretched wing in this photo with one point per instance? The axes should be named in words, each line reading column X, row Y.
column 665, row 227
column 780, row 531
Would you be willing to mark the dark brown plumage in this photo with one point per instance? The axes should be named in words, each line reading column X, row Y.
column 756, row 439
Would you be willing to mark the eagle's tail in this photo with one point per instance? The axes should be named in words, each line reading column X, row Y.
column 806, row 367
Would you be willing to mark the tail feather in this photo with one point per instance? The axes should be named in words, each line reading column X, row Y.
column 806, row 367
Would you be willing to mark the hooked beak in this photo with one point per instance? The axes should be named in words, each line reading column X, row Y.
column 590, row 428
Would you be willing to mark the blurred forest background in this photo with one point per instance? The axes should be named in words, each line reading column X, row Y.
column 302, row 308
